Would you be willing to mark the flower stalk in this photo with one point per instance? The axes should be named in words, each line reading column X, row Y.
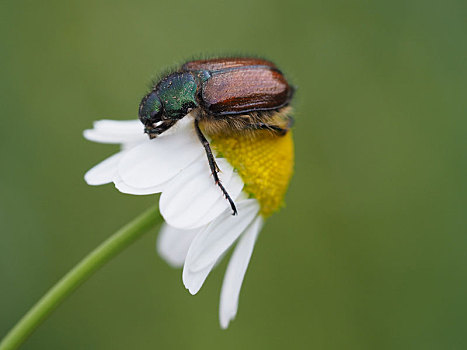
column 78, row 274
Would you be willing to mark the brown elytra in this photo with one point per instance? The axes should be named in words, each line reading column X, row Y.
column 241, row 85
column 223, row 63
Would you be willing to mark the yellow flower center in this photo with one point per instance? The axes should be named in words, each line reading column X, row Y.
column 263, row 160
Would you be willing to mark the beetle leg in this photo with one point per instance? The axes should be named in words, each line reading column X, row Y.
column 153, row 132
column 262, row 126
column 281, row 131
column 213, row 166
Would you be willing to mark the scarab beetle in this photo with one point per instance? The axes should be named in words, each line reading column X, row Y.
column 225, row 95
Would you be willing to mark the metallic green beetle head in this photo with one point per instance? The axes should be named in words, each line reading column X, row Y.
column 172, row 98
column 150, row 109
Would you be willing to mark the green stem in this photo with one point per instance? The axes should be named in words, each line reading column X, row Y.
column 92, row 262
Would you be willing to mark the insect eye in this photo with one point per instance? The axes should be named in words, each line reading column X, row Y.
column 150, row 109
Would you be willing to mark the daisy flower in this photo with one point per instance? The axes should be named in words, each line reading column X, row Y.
column 199, row 226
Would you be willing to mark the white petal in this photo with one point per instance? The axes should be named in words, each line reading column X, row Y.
column 193, row 281
column 173, row 244
column 156, row 161
column 116, row 131
column 125, row 188
column 234, row 189
column 192, row 199
column 118, row 126
column 185, row 122
column 213, row 241
column 235, row 273
column 103, row 172
column 221, row 233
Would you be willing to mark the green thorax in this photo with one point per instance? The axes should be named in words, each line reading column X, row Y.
column 177, row 92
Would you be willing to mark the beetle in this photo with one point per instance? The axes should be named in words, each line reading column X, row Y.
column 226, row 95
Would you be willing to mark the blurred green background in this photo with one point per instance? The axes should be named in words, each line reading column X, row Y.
column 370, row 252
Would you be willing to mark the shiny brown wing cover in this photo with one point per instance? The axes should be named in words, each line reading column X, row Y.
column 245, row 89
column 223, row 63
